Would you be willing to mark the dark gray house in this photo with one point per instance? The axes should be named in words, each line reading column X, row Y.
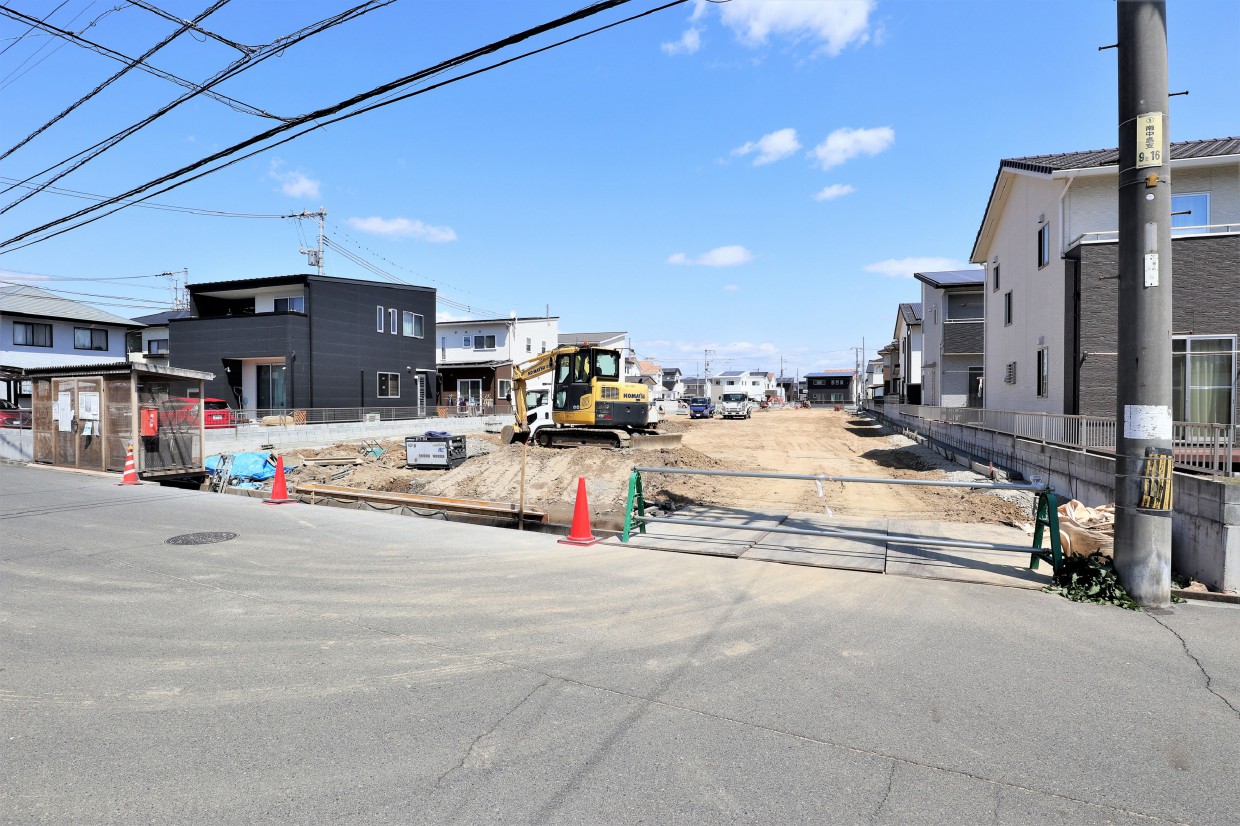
column 831, row 387
column 953, row 310
column 301, row 341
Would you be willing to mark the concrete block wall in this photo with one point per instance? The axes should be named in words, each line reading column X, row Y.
column 1205, row 525
column 16, row 445
column 253, row 437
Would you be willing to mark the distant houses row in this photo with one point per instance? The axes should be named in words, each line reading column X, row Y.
column 312, row 341
column 1034, row 328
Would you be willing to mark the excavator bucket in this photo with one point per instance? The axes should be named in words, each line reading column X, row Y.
column 654, row 441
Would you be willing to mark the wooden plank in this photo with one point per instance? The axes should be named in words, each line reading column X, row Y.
column 332, row 460
column 414, row 500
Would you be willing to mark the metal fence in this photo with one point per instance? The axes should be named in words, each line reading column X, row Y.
column 291, row 417
column 1207, row 448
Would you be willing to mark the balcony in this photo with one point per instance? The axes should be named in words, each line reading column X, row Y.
column 963, row 337
column 1111, row 236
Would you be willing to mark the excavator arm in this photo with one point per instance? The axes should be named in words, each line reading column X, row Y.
column 540, row 365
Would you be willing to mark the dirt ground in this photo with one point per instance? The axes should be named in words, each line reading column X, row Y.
column 786, row 441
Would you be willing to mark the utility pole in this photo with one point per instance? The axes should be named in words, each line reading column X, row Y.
column 1143, row 457
column 314, row 257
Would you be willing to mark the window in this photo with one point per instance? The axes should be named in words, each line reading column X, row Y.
column 394, row 321
column 1044, row 370
column 1007, row 308
column 1203, row 370
column 290, row 304
column 412, row 325
column 379, row 319
column 484, row 342
column 157, row 347
column 505, row 390
column 529, row 345
column 88, row 338
column 30, row 334
column 964, row 307
column 389, row 385
column 466, row 342
column 443, row 347
column 1190, row 211
column 1044, row 245
column 996, row 288
column 544, row 347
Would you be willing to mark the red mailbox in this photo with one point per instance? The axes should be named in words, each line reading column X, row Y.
column 150, row 421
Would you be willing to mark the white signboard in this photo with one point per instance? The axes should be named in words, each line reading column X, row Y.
column 1151, row 269
column 64, row 411
column 88, row 405
column 1147, row 421
column 1149, row 139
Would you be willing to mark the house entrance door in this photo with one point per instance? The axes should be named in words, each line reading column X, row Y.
column 468, row 393
column 77, row 406
column 270, row 388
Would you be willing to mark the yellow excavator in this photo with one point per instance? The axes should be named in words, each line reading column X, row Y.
column 589, row 403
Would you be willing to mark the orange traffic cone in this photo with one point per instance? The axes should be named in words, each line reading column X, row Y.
column 131, row 471
column 580, row 533
column 279, row 492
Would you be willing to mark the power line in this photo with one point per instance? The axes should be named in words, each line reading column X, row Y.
column 234, row 69
column 156, row 10
column 131, row 64
column 212, row 213
column 318, row 117
column 32, row 27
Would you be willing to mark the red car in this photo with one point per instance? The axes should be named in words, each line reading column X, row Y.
column 216, row 412
column 13, row 416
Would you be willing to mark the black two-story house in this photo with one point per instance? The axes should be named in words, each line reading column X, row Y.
column 310, row 341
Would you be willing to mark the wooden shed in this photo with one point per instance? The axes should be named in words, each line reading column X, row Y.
column 87, row 416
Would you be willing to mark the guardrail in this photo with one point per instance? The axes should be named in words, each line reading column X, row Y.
column 1206, row 448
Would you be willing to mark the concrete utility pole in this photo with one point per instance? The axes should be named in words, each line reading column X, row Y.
column 1143, row 458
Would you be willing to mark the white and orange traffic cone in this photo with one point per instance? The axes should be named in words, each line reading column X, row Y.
column 131, row 471
column 279, row 491
column 580, row 533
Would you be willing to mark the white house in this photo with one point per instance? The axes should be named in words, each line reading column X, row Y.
column 475, row 359
column 41, row 329
column 908, row 338
column 953, row 334
column 757, row 384
column 673, row 384
column 1048, row 241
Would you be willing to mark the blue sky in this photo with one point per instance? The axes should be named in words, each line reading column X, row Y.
column 758, row 178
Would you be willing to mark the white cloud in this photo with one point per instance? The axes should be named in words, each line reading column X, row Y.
column 688, row 43
column 833, row 23
column 845, row 144
column 770, row 148
column 830, row 193
column 295, row 184
column 731, row 288
column 403, row 228
column 729, row 256
column 905, row 267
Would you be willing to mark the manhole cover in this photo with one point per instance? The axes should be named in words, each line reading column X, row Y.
column 200, row 538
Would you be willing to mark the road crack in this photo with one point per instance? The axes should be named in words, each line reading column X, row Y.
column 1188, row 652
column 474, row 744
column 891, row 781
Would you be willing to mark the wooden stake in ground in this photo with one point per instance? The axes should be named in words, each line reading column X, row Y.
column 525, row 446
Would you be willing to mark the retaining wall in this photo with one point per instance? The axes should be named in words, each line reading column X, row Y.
column 16, row 444
column 253, row 437
column 1205, row 525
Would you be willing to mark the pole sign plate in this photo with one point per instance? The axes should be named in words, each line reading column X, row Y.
column 1149, row 140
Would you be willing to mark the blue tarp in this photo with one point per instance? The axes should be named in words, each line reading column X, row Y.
column 257, row 467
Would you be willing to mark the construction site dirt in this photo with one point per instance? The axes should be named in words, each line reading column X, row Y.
column 829, row 442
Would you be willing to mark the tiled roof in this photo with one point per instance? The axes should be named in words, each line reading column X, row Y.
column 953, row 278
column 32, row 301
column 910, row 311
column 157, row 319
column 1210, row 148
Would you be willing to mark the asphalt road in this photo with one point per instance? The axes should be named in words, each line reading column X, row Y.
column 334, row 666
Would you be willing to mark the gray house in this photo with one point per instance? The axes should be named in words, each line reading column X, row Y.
column 953, row 334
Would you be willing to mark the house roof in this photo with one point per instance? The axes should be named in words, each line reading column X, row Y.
column 83, row 366
column 466, row 322
column 588, row 338
column 830, row 373
column 158, row 319
column 296, row 278
column 953, row 278
column 910, row 311
column 1180, row 150
column 24, row 299
column 734, row 373
column 648, row 368
column 1093, row 159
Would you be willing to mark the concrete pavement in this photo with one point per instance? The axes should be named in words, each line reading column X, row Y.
column 330, row 665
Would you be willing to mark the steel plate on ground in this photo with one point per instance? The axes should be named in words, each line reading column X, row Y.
column 695, row 539
column 1008, row 568
column 824, row 551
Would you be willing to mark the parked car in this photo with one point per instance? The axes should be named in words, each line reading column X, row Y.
column 701, row 407
column 215, row 412
column 13, row 416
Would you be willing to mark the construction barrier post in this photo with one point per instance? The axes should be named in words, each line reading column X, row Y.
column 1047, row 519
column 635, row 498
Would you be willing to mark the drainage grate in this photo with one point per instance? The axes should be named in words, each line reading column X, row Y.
column 200, row 538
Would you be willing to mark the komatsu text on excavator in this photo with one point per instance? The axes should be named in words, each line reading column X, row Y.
column 589, row 403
